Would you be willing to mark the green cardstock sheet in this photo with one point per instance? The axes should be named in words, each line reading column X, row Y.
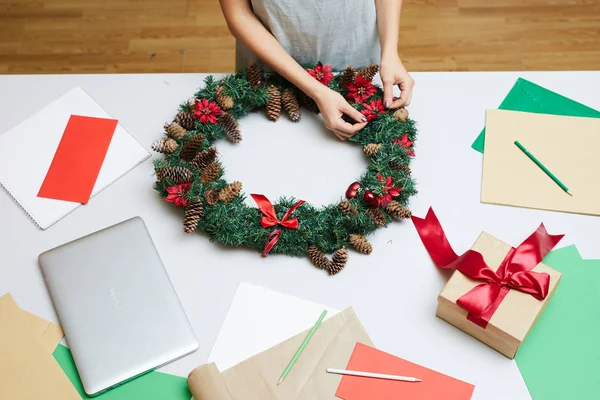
column 529, row 97
column 560, row 358
column 151, row 386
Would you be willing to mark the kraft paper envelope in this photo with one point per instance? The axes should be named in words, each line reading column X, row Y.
column 27, row 368
column 256, row 378
column 49, row 333
column 567, row 146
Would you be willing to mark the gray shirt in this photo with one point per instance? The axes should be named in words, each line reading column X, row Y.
column 337, row 32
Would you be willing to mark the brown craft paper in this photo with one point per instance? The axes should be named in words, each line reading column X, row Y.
column 256, row 378
column 515, row 316
column 567, row 146
column 27, row 368
column 49, row 333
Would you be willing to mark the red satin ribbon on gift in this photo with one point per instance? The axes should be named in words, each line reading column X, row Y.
column 269, row 219
column 514, row 272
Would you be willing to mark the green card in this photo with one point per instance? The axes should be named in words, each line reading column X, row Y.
column 529, row 97
column 559, row 359
column 151, row 386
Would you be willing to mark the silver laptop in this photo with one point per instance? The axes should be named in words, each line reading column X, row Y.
column 116, row 304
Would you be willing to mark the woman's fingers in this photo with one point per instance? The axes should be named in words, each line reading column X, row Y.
column 343, row 128
column 352, row 112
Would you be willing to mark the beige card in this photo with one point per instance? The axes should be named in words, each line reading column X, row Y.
column 256, row 378
column 27, row 368
column 567, row 146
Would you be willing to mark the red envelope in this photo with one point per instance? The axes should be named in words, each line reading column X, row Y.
column 78, row 159
column 435, row 386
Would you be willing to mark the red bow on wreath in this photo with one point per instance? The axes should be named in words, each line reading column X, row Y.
column 515, row 272
column 269, row 219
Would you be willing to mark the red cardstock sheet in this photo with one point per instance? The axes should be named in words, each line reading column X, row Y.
column 78, row 159
column 434, row 385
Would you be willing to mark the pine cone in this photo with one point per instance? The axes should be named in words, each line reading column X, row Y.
column 254, row 76
column 369, row 71
column 397, row 210
column 274, row 103
column 174, row 174
column 348, row 208
column 193, row 212
column 360, row 244
column 204, row 158
column 175, row 130
column 397, row 166
column 290, row 104
column 318, row 258
column 210, row 173
column 309, row 103
column 347, row 77
column 211, row 197
column 164, row 145
column 224, row 101
column 378, row 216
column 372, row 149
column 186, row 120
column 338, row 261
column 231, row 127
column 401, row 114
column 191, row 147
column 229, row 192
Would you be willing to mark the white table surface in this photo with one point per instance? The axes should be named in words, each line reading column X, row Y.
column 394, row 290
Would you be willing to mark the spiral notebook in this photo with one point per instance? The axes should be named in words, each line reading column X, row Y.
column 39, row 136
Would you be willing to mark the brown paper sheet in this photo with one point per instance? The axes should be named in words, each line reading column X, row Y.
column 515, row 316
column 256, row 378
column 27, row 368
column 567, row 146
column 49, row 333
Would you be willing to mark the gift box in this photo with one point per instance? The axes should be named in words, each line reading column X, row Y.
column 497, row 292
column 515, row 316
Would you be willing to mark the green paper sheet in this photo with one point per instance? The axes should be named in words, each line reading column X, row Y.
column 559, row 359
column 529, row 97
column 151, row 386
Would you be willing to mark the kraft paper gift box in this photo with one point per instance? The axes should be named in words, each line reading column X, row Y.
column 517, row 312
column 497, row 292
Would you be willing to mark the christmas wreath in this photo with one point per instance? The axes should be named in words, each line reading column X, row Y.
column 191, row 177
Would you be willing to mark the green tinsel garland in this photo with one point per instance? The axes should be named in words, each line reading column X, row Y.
column 236, row 224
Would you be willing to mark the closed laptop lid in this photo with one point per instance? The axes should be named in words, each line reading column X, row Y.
column 118, row 308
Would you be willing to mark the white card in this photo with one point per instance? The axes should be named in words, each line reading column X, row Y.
column 260, row 318
column 34, row 143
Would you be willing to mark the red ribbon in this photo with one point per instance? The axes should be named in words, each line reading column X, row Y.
column 514, row 272
column 269, row 219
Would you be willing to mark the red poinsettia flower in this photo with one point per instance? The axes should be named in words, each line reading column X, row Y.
column 373, row 109
column 177, row 194
column 207, row 111
column 389, row 191
column 321, row 72
column 361, row 89
column 406, row 143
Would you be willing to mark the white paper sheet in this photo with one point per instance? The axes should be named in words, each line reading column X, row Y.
column 27, row 150
column 258, row 319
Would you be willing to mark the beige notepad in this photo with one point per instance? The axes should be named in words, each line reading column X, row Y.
column 256, row 378
column 27, row 368
column 567, row 146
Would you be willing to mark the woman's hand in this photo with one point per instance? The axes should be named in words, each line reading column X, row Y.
column 333, row 105
column 393, row 73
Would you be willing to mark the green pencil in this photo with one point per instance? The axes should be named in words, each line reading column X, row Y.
column 543, row 167
column 302, row 346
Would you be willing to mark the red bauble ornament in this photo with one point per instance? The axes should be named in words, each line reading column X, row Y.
column 371, row 199
column 352, row 190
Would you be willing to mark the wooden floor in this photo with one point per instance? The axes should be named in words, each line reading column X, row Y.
column 87, row 36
